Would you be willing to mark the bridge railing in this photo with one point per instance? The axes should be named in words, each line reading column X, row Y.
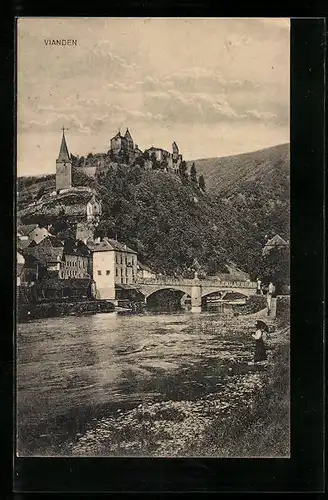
column 166, row 280
column 170, row 280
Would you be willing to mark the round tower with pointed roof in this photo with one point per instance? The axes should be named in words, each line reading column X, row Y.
column 63, row 166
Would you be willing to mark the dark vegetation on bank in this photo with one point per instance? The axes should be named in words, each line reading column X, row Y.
column 254, row 304
column 53, row 309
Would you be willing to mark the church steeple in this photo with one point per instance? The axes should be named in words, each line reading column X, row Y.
column 63, row 166
column 63, row 153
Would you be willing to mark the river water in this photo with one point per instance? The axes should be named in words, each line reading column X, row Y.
column 74, row 370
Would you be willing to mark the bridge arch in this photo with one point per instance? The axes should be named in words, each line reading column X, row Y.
column 147, row 291
column 209, row 290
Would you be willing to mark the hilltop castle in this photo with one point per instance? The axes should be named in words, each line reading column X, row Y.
column 122, row 148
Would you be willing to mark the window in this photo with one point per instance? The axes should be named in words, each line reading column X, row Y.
column 116, row 272
column 116, row 259
column 126, row 272
column 107, row 272
column 99, row 272
column 126, row 260
column 121, row 272
column 121, row 259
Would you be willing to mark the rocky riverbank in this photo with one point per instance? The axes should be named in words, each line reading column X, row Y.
column 246, row 415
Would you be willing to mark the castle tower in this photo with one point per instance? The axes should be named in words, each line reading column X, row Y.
column 175, row 152
column 129, row 140
column 63, row 167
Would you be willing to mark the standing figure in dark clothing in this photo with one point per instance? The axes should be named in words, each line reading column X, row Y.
column 260, row 336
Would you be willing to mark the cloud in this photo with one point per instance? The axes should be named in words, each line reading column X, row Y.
column 261, row 115
column 201, row 107
column 194, row 79
column 99, row 63
column 87, row 117
column 53, row 123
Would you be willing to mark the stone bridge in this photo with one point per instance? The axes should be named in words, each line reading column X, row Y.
column 195, row 288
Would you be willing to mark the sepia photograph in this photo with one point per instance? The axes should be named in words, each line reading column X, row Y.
column 153, row 237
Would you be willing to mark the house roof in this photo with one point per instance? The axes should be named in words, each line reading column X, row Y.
column 50, row 249
column 158, row 149
column 22, row 244
column 128, row 135
column 107, row 245
column 236, row 272
column 73, row 247
column 26, row 229
column 276, row 242
column 144, row 267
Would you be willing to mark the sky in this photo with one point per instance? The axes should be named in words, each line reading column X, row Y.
column 215, row 86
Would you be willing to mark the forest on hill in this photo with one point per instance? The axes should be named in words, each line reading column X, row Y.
column 256, row 184
column 171, row 222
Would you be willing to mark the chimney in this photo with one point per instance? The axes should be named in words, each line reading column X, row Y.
column 125, row 247
column 97, row 241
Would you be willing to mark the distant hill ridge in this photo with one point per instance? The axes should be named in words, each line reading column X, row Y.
column 226, row 175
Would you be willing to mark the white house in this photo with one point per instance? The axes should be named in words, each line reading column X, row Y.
column 114, row 265
column 93, row 209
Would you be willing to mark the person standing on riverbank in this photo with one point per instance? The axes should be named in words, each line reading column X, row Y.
column 259, row 336
column 269, row 296
column 259, row 287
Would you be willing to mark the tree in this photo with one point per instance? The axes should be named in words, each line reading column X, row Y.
column 146, row 155
column 183, row 169
column 139, row 161
column 193, row 173
column 41, row 192
column 275, row 267
column 125, row 158
column 202, row 183
column 74, row 160
column 79, row 178
column 81, row 161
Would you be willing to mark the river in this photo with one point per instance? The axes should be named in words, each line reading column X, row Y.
column 72, row 371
